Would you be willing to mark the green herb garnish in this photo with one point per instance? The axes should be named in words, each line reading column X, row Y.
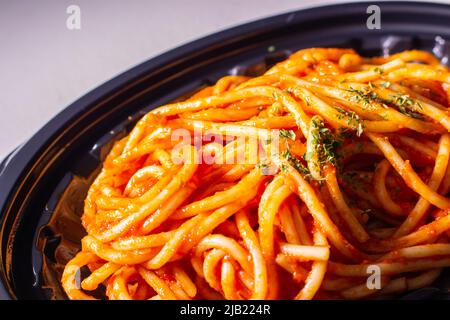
column 407, row 105
column 378, row 70
column 295, row 162
column 325, row 144
column 353, row 120
column 287, row 134
column 365, row 97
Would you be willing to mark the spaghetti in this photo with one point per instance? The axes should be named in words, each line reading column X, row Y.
column 327, row 168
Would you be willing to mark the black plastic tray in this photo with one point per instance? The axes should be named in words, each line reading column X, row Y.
column 71, row 146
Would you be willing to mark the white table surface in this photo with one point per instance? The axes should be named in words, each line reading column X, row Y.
column 44, row 66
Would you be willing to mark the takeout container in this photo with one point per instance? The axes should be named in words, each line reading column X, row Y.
column 44, row 181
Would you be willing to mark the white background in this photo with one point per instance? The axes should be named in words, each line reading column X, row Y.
column 44, row 66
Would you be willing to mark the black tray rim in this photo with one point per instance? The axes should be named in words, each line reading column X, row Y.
column 19, row 161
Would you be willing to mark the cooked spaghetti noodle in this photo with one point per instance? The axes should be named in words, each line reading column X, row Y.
column 343, row 172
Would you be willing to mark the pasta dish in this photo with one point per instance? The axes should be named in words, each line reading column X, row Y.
column 324, row 178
